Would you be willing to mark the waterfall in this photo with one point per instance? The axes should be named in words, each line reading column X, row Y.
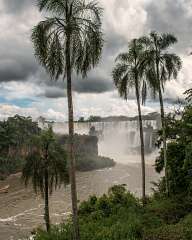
column 116, row 139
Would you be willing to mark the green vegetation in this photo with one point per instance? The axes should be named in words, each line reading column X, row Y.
column 160, row 66
column 93, row 162
column 94, row 119
column 86, row 152
column 46, row 166
column 147, row 65
column 121, row 216
column 15, row 133
column 128, row 74
column 16, row 138
column 179, row 151
column 188, row 94
column 70, row 39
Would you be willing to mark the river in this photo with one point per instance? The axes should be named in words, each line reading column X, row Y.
column 21, row 210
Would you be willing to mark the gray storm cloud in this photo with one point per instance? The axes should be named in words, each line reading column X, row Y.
column 122, row 21
column 172, row 16
column 17, row 6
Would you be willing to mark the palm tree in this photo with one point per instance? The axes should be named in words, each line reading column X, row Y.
column 71, row 39
column 46, row 167
column 188, row 94
column 126, row 75
column 161, row 66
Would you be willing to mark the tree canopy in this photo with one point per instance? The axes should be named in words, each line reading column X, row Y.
column 76, row 21
column 179, row 151
column 45, row 152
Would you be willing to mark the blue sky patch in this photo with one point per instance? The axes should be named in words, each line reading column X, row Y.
column 23, row 102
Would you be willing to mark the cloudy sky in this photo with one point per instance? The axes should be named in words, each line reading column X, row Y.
column 27, row 90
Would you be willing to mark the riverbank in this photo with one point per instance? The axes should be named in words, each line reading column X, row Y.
column 21, row 210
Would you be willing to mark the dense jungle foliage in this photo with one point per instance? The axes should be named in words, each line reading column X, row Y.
column 119, row 215
column 15, row 133
column 15, row 142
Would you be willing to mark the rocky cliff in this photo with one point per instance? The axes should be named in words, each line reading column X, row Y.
column 86, row 152
column 84, row 144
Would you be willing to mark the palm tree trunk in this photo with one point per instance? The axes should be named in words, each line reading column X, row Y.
column 164, row 139
column 71, row 143
column 162, row 121
column 142, row 142
column 46, row 216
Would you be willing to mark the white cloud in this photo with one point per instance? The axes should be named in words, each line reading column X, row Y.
column 19, row 90
column 18, row 26
column 125, row 18
column 7, row 110
column 176, row 88
column 55, row 116
column 103, row 104
column 187, row 4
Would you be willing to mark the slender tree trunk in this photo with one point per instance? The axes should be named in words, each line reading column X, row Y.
column 71, row 143
column 162, row 120
column 164, row 139
column 142, row 142
column 46, row 215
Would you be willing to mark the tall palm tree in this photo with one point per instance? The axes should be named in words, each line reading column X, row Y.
column 46, row 166
column 71, row 39
column 127, row 74
column 161, row 66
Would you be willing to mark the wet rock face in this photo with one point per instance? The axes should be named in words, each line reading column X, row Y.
column 84, row 144
column 86, row 153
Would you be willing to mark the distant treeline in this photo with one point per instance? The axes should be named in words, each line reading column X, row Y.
column 15, row 145
column 150, row 116
column 15, row 133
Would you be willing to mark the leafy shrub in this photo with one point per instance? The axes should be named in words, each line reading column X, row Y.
column 110, row 217
column 92, row 162
column 179, row 231
column 120, row 216
column 170, row 210
column 179, row 153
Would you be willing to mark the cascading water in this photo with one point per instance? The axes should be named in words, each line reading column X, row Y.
column 119, row 140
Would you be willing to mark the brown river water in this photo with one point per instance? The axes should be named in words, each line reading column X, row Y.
column 21, row 210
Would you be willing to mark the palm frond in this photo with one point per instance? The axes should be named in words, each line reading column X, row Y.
column 56, row 6
column 55, row 62
column 122, row 57
column 79, row 21
column 166, row 40
column 37, row 163
column 88, row 10
column 144, row 40
column 188, row 94
column 87, row 39
column 129, row 70
column 40, row 39
column 119, row 71
column 172, row 63
column 159, row 65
